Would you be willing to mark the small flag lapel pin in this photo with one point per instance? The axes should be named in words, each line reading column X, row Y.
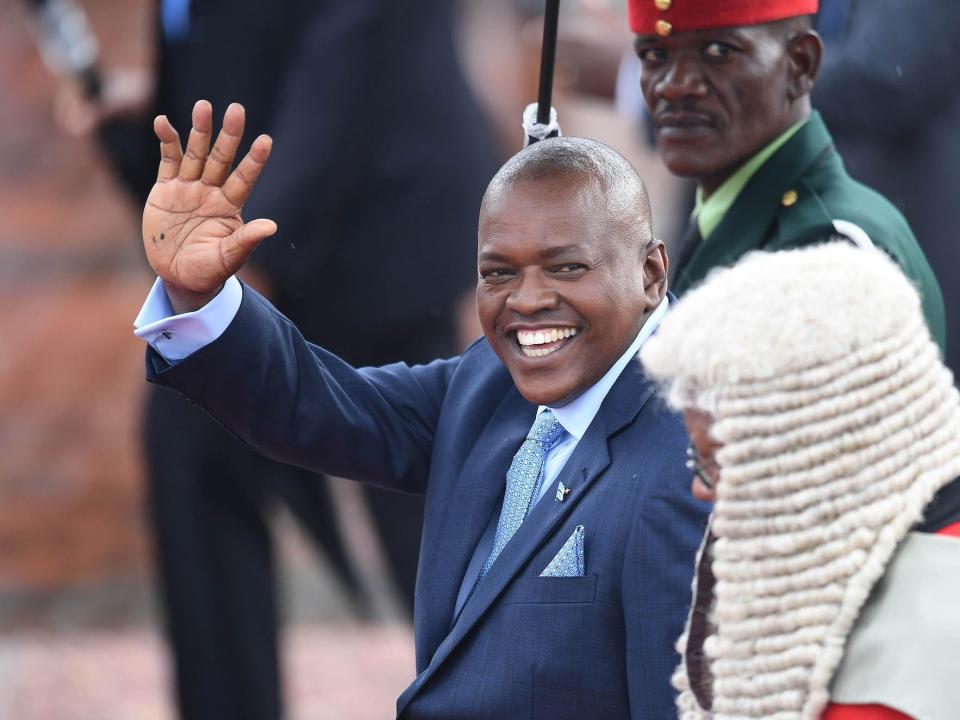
column 562, row 492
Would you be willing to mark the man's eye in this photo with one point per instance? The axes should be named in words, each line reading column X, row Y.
column 496, row 274
column 651, row 55
column 569, row 268
column 717, row 50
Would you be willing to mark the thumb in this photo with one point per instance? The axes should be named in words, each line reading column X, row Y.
column 251, row 233
column 245, row 239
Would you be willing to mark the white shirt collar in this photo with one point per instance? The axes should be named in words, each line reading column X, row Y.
column 577, row 414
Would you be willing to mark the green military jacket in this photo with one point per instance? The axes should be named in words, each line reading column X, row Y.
column 796, row 199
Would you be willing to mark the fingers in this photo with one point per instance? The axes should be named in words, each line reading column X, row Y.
column 199, row 142
column 241, row 181
column 170, row 153
column 240, row 244
column 225, row 148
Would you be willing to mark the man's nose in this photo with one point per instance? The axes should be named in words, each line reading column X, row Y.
column 681, row 79
column 532, row 295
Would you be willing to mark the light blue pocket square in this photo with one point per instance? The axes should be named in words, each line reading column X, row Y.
column 569, row 561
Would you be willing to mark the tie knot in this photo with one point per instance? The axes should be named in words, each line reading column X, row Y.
column 546, row 430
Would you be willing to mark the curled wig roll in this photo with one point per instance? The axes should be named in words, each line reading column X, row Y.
column 839, row 423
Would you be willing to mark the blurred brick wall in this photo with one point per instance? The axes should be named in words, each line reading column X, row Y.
column 71, row 279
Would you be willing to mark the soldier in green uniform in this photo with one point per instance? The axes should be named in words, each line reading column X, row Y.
column 728, row 89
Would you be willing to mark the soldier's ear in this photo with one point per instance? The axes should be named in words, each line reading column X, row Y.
column 804, row 54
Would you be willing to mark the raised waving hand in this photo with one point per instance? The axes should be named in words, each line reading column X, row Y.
column 193, row 233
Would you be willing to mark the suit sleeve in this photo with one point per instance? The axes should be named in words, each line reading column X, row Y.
column 300, row 404
column 895, row 66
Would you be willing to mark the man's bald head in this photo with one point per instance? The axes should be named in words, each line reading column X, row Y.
column 572, row 162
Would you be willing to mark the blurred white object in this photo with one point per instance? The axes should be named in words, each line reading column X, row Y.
column 67, row 44
column 538, row 131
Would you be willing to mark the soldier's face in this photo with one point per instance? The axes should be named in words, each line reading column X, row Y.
column 716, row 97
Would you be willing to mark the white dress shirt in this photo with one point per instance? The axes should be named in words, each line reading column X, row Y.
column 177, row 336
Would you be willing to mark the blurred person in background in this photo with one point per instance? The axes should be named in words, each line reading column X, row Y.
column 889, row 91
column 728, row 91
column 204, row 487
column 382, row 158
column 826, row 429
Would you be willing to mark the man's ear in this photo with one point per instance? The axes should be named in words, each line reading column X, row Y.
column 655, row 266
column 804, row 53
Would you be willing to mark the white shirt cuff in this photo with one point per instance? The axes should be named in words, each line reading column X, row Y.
column 177, row 336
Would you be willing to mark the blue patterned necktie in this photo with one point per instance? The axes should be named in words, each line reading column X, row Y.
column 523, row 481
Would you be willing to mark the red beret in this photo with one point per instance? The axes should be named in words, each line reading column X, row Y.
column 666, row 16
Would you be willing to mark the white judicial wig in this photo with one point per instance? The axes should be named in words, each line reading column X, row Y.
column 839, row 423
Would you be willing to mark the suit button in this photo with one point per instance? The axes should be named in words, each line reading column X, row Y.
column 663, row 5
column 789, row 198
column 663, row 27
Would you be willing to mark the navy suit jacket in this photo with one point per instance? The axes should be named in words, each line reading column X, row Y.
column 524, row 646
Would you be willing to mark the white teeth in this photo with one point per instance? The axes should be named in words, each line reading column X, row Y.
column 537, row 352
column 527, row 338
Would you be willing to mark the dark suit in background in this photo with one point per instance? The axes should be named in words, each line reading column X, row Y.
column 381, row 157
column 889, row 91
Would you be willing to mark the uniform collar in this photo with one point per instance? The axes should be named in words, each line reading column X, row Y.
column 710, row 212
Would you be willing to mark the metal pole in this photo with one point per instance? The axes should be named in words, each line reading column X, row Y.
column 548, row 55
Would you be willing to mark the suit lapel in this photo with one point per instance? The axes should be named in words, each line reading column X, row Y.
column 746, row 224
column 468, row 506
column 591, row 457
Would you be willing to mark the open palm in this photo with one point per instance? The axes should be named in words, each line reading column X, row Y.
column 193, row 233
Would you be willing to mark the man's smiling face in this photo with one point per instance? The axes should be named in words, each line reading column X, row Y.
column 561, row 291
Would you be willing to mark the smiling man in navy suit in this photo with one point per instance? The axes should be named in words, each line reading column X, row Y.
column 559, row 534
